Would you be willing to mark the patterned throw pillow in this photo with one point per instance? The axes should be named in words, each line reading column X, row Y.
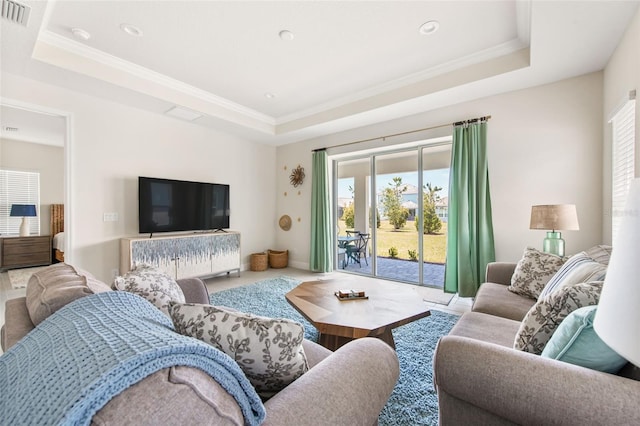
column 533, row 272
column 580, row 268
column 152, row 284
column 268, row 350
column 543, row 318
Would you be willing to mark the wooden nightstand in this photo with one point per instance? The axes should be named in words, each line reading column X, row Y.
column 18, row 252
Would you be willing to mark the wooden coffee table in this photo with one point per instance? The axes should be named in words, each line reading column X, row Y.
column 389, row 305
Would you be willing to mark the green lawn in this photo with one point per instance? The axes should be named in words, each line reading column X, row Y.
column 406, row 239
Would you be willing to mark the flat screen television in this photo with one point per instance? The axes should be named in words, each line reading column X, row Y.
column 166, row 205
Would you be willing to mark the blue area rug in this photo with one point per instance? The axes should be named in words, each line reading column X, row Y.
column 414, row 400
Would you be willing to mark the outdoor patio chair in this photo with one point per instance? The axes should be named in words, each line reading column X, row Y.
column 355, row 252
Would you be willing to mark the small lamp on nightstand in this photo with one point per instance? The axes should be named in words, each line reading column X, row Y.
column 554, row 217
column 24, row 210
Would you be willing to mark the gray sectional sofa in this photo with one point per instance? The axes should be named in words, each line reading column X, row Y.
column 482, row 380
column 328, row 394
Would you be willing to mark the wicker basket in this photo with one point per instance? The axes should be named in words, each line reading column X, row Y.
column 278, row 259
column 259, row 262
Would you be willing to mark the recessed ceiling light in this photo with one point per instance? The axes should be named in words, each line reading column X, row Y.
column 286, row 35
column 81, row 34
column 269, row 95
column 132, row 30
column 429, row 27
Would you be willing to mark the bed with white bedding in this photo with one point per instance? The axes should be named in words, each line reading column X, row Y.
column 57, row 230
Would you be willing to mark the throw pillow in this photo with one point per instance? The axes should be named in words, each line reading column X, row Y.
column 543, row 318
column 580, row 268
column 533, row 272
column 600, row 253
column 152, row 284
column 576, row 342
column 268, row 350
column 51, row 288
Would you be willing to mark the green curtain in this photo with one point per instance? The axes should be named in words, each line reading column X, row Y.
column 470, row 244
column 321, row 236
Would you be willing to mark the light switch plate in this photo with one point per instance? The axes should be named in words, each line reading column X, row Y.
column 110, row 217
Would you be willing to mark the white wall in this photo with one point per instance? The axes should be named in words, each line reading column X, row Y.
column 621, row 75
column 113, row 144
column 545, row 147
column 44, row 159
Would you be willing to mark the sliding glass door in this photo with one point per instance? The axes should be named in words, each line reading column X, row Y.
column 435, row 195
column 394, row 225
column 397, row 195
column 353, row 201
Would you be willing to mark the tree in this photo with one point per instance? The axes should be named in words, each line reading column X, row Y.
column 392, row 202
column 348, row 213
column 348, row 216
column 430, row 197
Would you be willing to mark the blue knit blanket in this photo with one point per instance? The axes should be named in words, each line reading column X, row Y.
column 92, row 349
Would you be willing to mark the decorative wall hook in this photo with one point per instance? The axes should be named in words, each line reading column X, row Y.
column 297, row 176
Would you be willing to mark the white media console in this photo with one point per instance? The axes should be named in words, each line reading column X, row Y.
column 185, row 255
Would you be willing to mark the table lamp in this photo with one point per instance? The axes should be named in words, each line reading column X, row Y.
column 617, row 320
column 24, row 210
column 554, row 217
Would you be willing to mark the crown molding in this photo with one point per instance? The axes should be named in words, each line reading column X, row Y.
column 503, row 49
column 80, row 50
column 523, row 26
column 77, row 57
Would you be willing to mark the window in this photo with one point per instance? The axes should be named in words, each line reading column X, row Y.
column 18, row 188
column 623, row 166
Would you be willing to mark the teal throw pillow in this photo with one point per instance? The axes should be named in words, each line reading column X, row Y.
column 576, row 342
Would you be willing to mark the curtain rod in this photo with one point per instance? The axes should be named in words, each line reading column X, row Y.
column 457, row 123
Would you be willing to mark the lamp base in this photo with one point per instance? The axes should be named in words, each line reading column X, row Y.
column 553, row 244
column 24, row 227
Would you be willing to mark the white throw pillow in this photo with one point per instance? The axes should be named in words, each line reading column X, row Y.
column 600, row 253
column 580, row 268
column 268, row 350
column 151, row 283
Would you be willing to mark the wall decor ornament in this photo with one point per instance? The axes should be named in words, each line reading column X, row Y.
column 297, row 176
column 285, row 222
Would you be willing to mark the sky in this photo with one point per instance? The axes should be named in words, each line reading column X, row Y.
column 438, row 177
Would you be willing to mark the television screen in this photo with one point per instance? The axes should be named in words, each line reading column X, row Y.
column 166, row 205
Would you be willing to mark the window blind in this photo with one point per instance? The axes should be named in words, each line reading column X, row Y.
column 18, row 187
column 623, row 167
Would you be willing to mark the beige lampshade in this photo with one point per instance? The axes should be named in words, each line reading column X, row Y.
column 617, row 319
column 556, row 217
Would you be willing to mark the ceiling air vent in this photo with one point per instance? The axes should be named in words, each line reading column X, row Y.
column 15, row 12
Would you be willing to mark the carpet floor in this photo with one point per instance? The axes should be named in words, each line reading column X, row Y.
column 413, row 401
